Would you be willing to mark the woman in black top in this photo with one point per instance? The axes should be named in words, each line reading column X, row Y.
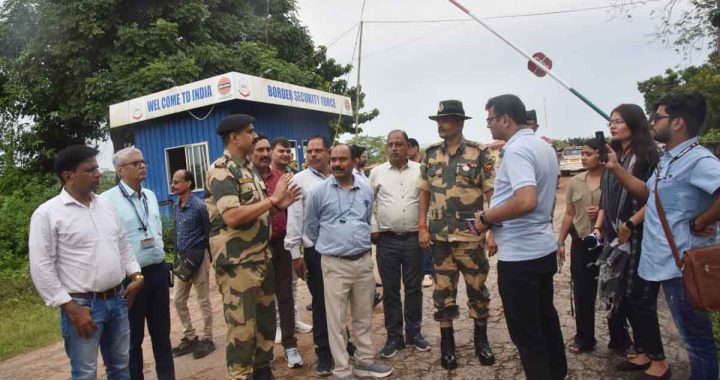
column 632, row 156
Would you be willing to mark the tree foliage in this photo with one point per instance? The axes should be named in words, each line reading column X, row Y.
column 705, row 78
column 375, row 147
column 62, row 63
column 690, row 26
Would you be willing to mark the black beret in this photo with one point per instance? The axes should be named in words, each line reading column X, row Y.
column 234, row 123
column 531, row 116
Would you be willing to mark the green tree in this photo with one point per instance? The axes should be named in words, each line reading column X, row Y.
column 688, row 28
column 62, row 63
column 376, row 147
column 704, row 78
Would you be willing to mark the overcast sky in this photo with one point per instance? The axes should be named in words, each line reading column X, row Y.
column 408, row 68
column 602, row 55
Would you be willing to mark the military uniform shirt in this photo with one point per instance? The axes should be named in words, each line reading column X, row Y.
column 457, row 184
column 232, row 183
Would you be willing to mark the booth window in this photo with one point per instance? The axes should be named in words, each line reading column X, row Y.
column 193, row 157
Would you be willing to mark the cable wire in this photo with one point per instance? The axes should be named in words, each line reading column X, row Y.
column 517, row 15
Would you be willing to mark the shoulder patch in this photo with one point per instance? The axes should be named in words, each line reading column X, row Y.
column 221, row 162
column 489, row 166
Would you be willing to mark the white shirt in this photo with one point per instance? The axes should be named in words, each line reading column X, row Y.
column 295, row 236
column 77, row 249
column 527, row 161
column 396, row 197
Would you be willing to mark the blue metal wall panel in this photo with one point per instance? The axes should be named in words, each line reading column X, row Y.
column 154, row 136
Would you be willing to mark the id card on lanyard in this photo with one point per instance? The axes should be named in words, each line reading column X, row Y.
column 149, row 241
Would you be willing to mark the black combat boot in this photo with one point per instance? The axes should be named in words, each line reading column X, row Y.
column 482, row 347
column 262, row 374
column 448, row 360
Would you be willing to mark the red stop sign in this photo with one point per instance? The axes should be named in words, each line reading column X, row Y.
column 542, row 58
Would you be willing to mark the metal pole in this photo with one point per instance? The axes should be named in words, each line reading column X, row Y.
column 357, row 89
column 530, row 58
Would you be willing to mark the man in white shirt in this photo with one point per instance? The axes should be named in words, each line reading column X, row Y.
column 78, row 258
column 394, row 230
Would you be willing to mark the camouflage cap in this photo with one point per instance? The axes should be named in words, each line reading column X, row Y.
column 450, row 108
column 234, row 123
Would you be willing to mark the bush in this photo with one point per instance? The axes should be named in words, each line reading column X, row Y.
column 20, row 194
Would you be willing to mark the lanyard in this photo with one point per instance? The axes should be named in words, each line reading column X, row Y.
column 672, row 160
column 143, row 227
column 344, row 213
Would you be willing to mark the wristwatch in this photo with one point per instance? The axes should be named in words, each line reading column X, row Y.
column 484, row 220
column 629, row 223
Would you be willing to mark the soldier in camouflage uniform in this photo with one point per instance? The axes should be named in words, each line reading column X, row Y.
column 455, row 177
column 239, row 211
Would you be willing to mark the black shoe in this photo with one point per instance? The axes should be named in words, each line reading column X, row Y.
column 627, row 366
column 419, row 342
column 351, row 349
column 324, row 365
column 665, row 376
column 448, row 360
column 203, row 348
column 482, row 347
column 392, row 347
column 262, row 374
column 186, row 346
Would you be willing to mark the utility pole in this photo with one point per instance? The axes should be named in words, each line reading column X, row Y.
column 357, row 89
column 267, row 18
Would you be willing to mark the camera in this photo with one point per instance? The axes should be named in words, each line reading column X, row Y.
column 592, row 241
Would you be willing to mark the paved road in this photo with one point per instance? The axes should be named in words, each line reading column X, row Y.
column 50, row 363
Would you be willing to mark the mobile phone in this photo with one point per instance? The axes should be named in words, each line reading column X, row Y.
column 600, row 137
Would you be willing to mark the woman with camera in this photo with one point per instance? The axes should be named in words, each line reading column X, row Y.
column 631, row 158
column 581, row 212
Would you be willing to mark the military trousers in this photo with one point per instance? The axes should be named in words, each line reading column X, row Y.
column 248, row 294
column 449, row 260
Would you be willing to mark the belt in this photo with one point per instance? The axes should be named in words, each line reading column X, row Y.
column 354, row 257
column 106, row 295
column 400, row 235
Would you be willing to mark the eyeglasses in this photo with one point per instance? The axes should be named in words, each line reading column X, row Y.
column 616, row 122
column 493, row 118
column 136, row 164
column 657, row 117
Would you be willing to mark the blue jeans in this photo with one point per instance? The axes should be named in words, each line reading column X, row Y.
column 695, row 330
column 112, row 336
column 427, row 262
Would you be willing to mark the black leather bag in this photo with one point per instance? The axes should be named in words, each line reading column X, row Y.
column 187, row 263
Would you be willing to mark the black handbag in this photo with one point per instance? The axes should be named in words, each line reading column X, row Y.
column 187, row 263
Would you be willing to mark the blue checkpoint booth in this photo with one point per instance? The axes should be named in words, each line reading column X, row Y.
column 175, row 128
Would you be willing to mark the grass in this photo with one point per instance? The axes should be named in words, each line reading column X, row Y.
column 25, row 322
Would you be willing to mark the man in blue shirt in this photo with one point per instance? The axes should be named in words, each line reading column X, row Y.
column 689, row 189
column 138, row 211
column 520, row 218
column 337, row 221
column 192, row 230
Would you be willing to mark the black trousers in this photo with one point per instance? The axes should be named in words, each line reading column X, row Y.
column 282, row 263
column 400, row 259
column 642, row 313
column 317, row 290
column 152, row 303
column 584, row 273
column 526, row 290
